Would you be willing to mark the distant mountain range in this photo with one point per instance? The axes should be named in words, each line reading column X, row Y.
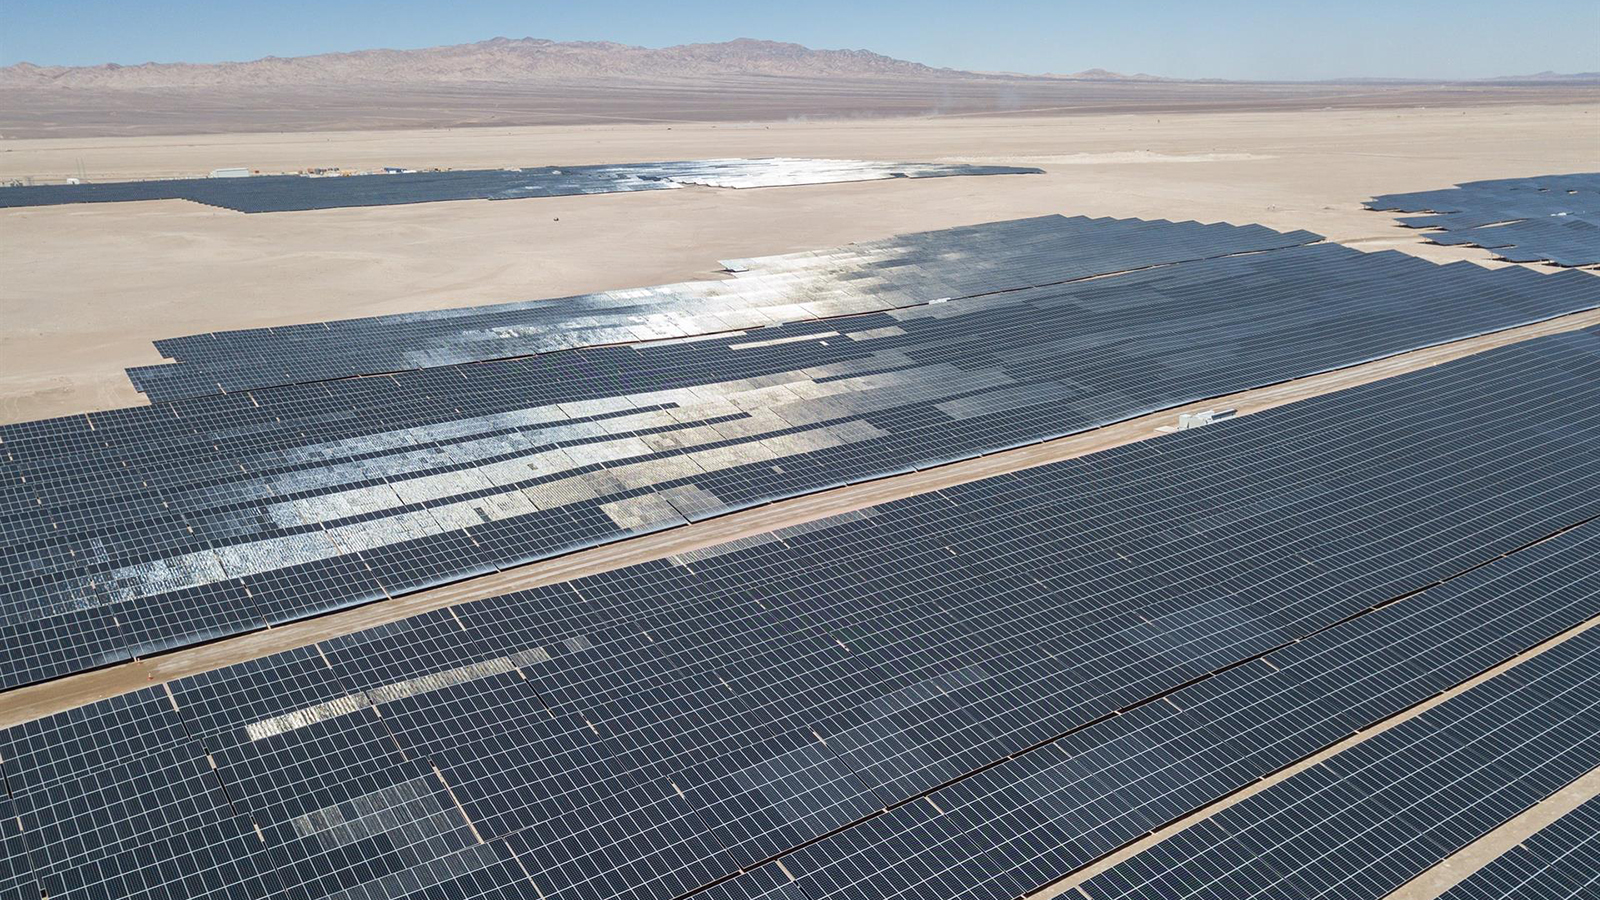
column 509, row 61
column 500, row 60
column 1553, row 76
column 1564, row 78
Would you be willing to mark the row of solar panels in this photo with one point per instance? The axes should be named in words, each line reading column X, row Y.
column 1025, row 822
column 1560, row 861
column 156, row 527
column 964, row 693
column 283, row 193
column 907, row 270
column 1553, row 218
column 1372, row 817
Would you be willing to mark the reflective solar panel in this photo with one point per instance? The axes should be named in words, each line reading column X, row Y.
column 285, row 193
column 875, row 276
column 138, row 530
column 1022, row 671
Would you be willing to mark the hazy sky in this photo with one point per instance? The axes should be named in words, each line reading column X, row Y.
column 1283, row 39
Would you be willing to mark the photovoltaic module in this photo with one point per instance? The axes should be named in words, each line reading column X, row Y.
column 1550, row 218
column 150, row 528
column 877, row 276
column 968, row 692
column 1558, row 861
column 138, row 530
column 289, row 193
column 1368, row 819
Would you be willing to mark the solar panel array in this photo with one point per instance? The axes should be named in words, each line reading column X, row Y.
column 1372, row 817
column 1554, row 218
column 16, row 873
column 1559, row 862
column 286, row 193
column 1019, row 670
column 906, row 270
column 1009, row 830
column 156, row 527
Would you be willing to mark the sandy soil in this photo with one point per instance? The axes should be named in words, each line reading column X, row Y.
column 88, row 287
column 60, row 111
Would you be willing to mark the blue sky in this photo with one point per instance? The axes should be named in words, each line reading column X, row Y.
column 1281, row 39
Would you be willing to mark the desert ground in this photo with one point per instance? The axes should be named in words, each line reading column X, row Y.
column 88, row 287
column 393, row 101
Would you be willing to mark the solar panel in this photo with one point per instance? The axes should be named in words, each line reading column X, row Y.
column 143, row 529
column 1174, row 614
column 1368, row 819
column 765, row 883
column 285, row 193
column 344, row 810
column 116, row 800
column 1561, row 861
column 1011, row 829
column 877, row 276
column 16, row 873
column 1548, row 218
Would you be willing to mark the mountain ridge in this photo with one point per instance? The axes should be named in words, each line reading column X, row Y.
column 517, row 61
column 497, row 60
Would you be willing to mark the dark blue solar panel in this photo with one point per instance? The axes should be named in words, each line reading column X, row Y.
column 1011, row 829
column 1368, row 819
column 1024, row 672
column 765, row 883
column 1554, row 218
column 16, row 872
column 343, row 810
column 155, row 527
column 1559, row 862
column 115, row 800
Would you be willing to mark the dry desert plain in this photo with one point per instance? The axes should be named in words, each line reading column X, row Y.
column 88, row 287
